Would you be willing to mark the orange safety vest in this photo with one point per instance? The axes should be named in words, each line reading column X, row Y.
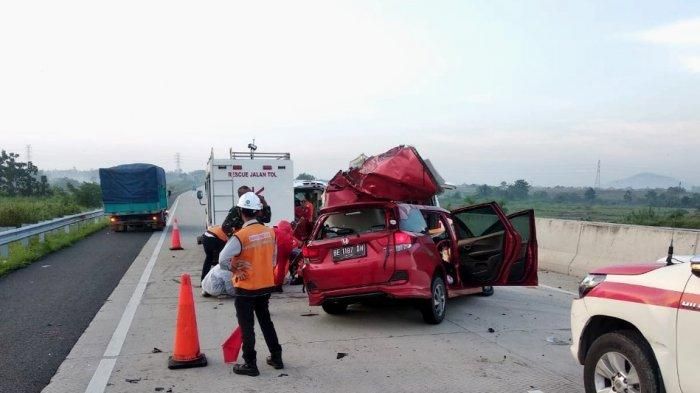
column 259, row 249
column 218, row 232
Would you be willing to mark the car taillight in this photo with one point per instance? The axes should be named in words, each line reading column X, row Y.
column 310, row 252
column 113, row 219
column 402, row 241
column 587, row 284
column 155, row 218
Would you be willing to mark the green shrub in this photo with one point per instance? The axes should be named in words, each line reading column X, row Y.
column 28, row 210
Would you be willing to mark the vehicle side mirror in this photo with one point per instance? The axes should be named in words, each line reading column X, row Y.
column 199, row 194
column 695, row 265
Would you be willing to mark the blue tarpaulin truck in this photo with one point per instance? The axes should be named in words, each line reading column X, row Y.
column 134, row 195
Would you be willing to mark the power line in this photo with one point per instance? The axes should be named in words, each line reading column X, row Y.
column 29, row 153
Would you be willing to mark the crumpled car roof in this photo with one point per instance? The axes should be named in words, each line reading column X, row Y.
column 399, row 175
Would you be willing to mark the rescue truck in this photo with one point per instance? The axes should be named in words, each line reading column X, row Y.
column 270, row 175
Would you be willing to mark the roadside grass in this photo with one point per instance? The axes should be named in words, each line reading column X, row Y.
column 15, row 211
column 21, row 256
column 618, row 214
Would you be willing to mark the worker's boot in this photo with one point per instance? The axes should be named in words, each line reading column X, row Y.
column 275, row 360
column 248, row 369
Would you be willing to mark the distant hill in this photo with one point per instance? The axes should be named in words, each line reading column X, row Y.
column 645, row 180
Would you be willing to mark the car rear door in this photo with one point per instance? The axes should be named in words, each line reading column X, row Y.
column 357, row 259
column 488, row 246
column 524, row 269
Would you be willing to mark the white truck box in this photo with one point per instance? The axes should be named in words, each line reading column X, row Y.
column 273, row 173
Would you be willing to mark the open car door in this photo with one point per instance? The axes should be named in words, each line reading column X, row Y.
column 524, row 269
column 488, row 245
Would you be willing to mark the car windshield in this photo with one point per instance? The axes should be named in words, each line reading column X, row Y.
column 352, row 222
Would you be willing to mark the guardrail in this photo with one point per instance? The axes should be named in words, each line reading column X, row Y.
column 23, row 234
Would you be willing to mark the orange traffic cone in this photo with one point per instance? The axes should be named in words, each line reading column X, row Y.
column 186, row 346
column 175, row 237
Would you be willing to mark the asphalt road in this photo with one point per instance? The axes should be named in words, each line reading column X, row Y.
column 46, row 306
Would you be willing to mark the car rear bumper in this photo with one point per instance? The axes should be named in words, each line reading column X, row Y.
column 398, row 290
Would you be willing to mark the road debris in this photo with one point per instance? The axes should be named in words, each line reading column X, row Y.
column 341, row 355
column 283, row 375
column 136, row 380
column 309, row 315
column 557, row 341
column 156, row 350
column 491, row 330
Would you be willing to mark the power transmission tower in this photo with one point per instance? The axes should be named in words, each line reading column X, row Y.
column 597, row 177
column 29, row 153
column 178, row 162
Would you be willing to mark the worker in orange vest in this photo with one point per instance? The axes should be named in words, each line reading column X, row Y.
column 213, row 241
column 251, row 255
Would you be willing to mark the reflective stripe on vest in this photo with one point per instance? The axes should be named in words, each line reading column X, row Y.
column 218, row 232
column 259, row 249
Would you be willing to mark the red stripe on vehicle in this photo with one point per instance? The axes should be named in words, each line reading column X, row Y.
column 690, row 301
column 637, row 294
column 629, row 270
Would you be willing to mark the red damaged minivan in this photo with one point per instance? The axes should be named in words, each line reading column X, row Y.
column 423, row 253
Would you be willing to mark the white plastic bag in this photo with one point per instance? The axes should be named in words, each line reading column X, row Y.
column 218, row 282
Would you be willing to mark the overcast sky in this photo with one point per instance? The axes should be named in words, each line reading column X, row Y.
column 488, row 90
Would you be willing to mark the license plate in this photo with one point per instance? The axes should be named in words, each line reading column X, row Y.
column 349, row 252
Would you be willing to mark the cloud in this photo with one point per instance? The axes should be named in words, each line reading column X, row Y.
column 679, row 33
column 692, row 63
column 681, row 37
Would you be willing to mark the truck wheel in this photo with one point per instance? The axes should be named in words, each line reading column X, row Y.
column 620, row 362
column 434, row 309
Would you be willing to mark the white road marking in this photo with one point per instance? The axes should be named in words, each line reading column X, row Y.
column 557, row 289
column 99, row 380
column 535, row 391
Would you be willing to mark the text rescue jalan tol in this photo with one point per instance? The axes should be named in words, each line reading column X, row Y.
column 252, row 174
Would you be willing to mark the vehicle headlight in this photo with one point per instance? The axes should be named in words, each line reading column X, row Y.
column 591, row 281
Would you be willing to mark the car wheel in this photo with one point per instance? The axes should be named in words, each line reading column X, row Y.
column 433, row 310
column 620, row 362
column 487, row 291
column 335, row 308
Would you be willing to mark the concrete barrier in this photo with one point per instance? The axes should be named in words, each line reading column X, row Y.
column 558, row 243
column 577, row 247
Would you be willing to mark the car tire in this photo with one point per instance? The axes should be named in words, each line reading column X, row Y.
column 434, row 309
column 335, row 308
column 618, row 354
column 487, row 291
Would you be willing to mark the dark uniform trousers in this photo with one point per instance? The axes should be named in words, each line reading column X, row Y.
column 212, row 249
column 246, row 307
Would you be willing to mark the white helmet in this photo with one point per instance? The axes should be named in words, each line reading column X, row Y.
column 250, row 201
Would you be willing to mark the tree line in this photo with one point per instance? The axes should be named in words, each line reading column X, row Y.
column 22, row 179
column 521, row 190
